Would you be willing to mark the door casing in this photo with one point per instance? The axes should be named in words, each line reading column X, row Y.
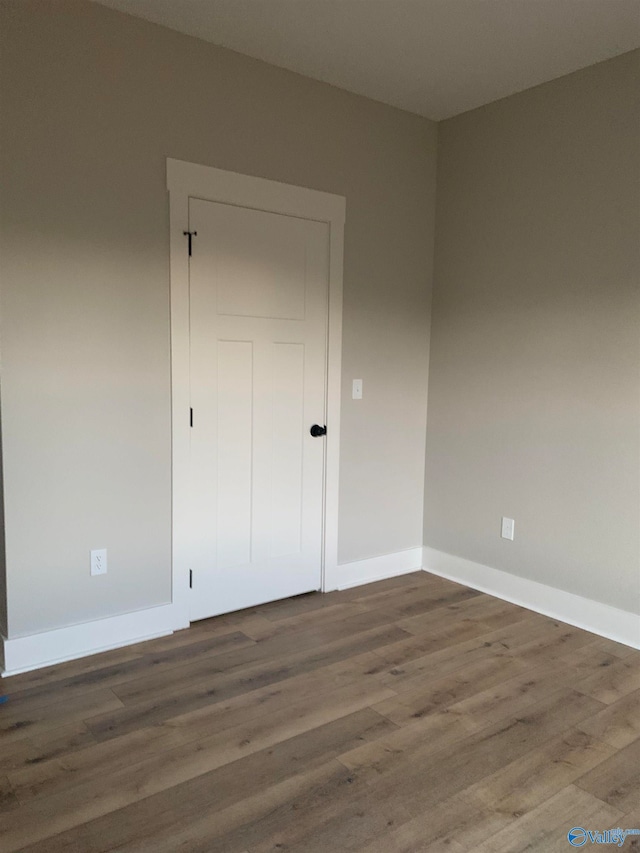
column 189, row 180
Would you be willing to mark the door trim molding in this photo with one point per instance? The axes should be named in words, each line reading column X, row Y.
column 185, row 180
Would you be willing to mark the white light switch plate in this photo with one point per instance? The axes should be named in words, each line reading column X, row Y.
column 356, row 389
column 508, row 528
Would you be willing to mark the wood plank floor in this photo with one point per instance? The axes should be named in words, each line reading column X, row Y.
column 409, row 715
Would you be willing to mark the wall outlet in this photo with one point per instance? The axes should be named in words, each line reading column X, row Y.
column 356, row 389
column 508, row 528
column 99, row 561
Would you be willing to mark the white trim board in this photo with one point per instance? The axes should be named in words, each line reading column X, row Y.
column 26, row 653
column 38, row 650
column 185, row 180
column 373, row 569
column 602, row 619
column 62, row 644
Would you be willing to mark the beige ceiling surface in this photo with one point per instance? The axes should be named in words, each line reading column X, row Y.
column 436, row 58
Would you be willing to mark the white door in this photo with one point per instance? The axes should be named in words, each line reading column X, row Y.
column 258, row 315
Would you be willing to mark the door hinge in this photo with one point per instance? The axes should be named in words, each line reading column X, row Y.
column 190, row 235
column 190, row 417
column 190, row 578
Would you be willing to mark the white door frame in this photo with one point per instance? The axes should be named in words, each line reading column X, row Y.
column 190, row 180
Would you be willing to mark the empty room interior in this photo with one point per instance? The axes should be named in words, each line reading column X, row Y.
column 320, row 425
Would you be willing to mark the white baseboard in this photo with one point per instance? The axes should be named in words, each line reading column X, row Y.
column 602, row 619
column 373, row 569
column 26, row 653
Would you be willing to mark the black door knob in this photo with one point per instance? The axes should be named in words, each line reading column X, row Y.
column 317, row 430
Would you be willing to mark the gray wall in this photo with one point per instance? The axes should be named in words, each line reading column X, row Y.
column 93, row 102
column 534, row 405
column 3, row 562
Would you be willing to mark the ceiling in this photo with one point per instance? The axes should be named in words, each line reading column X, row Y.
column 436, row 58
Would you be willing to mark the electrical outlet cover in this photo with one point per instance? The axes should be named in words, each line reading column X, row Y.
column 99, row 561
column 508, row 528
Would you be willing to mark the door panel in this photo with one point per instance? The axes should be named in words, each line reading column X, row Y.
column 268, row 280
column 258, row 314
column 234, row 433
column 287, row 450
